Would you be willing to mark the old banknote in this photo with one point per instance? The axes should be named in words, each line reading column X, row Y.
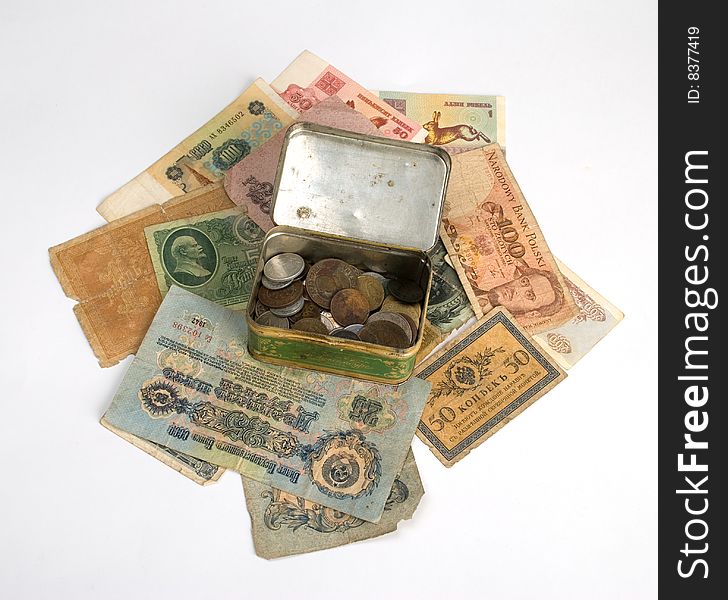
column 448, row 307
column 496, row 245
column 194, row 388
column 480, row 381
column 197, row 470
column 284, row 524
column 310, row 79
column 213, row 255
column 204, row 156
column 250, row 182
column 569, row 343
column 458, row 122
column 110, row 273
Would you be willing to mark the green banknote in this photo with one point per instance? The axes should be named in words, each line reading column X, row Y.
column 193, row 388
column 213, row 255
column 448, row 306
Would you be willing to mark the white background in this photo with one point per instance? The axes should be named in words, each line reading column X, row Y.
column 562, row 503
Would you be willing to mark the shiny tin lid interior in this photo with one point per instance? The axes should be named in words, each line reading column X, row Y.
column 361, row 187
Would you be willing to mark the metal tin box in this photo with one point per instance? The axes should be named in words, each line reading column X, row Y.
column 373, row 202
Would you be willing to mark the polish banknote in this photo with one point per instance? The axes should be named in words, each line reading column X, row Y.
column 250, row 182
column 496, row 245
column 457, row 122
column 194, row 388
column 481, row 380
column 309, row 79
column 571, row 341
column 110, row 273
column 204, row 156
column 283, row 524
column 213, row 255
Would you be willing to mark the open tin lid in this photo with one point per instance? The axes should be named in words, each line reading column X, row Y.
column 360, row 186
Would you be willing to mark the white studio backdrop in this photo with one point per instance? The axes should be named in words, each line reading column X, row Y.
column 561, row 503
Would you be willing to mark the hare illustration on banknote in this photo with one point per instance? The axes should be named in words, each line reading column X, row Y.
column 438, row 136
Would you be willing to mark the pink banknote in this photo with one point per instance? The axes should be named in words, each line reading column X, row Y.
column 309, row 80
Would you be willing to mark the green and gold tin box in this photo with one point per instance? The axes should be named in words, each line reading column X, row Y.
column 372, row 202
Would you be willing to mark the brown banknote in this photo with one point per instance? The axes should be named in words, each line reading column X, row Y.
column 110, row 273
column 496, row 245
column 481, row 380
column 284, row 524
column 250, row 182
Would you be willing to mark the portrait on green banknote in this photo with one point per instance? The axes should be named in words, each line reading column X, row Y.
column 189, row 257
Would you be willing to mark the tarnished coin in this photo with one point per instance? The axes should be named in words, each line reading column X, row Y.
column 343, row 333
column 406, row 291
column 287, row 311
column 284, row 267
column 327, row 277
column 260, row 308
column 312, row 325
column 395, row 319
column 413, row 327
column 283, row 297
column 273, row 285
column 391, row 304
column 349, row 307
column 354, row 328
column 372, row 290
column 271, row 320
column 310, row 310
column 378, row 276
column 384, row 333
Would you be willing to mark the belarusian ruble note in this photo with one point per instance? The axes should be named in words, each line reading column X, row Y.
column 204, row 156
column 250, row 182
column 496, row 245
column 195, row 469
column 569, row 343
column 458, row 122
column 284, row 524
column 448, row 307
column 213, row 255
column 309, row 79
column 481, row 380
column 194, row 388
column 110, row 273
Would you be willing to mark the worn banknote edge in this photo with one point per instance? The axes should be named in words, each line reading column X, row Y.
column 498, row 314
column 180, row 462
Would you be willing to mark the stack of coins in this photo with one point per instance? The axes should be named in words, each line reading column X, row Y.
column 332, row 297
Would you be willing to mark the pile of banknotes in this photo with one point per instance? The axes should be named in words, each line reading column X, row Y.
column 325, row 460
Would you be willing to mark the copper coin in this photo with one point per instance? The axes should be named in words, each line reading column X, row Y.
column 283, row 297
column 384, row 333
column 372, row 290
column 395, row 319
column 391, row 304
column 327, row 277
column 310, row 310
column 349, row 307
column 312, row 325
column 270, row 320
column 406, row 291
column 413, row 327
column 343, row 333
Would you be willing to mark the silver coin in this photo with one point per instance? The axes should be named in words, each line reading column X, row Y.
column 329, row 321
column 274, row 285
column 355, row 328
column 378, row 276
column 395, row 319
column 289, row 310
column 343, row 333
column 271, row 320
column 260, row 308
column 284, row 267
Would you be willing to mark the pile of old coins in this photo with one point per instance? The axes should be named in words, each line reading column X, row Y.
column 332, row 297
